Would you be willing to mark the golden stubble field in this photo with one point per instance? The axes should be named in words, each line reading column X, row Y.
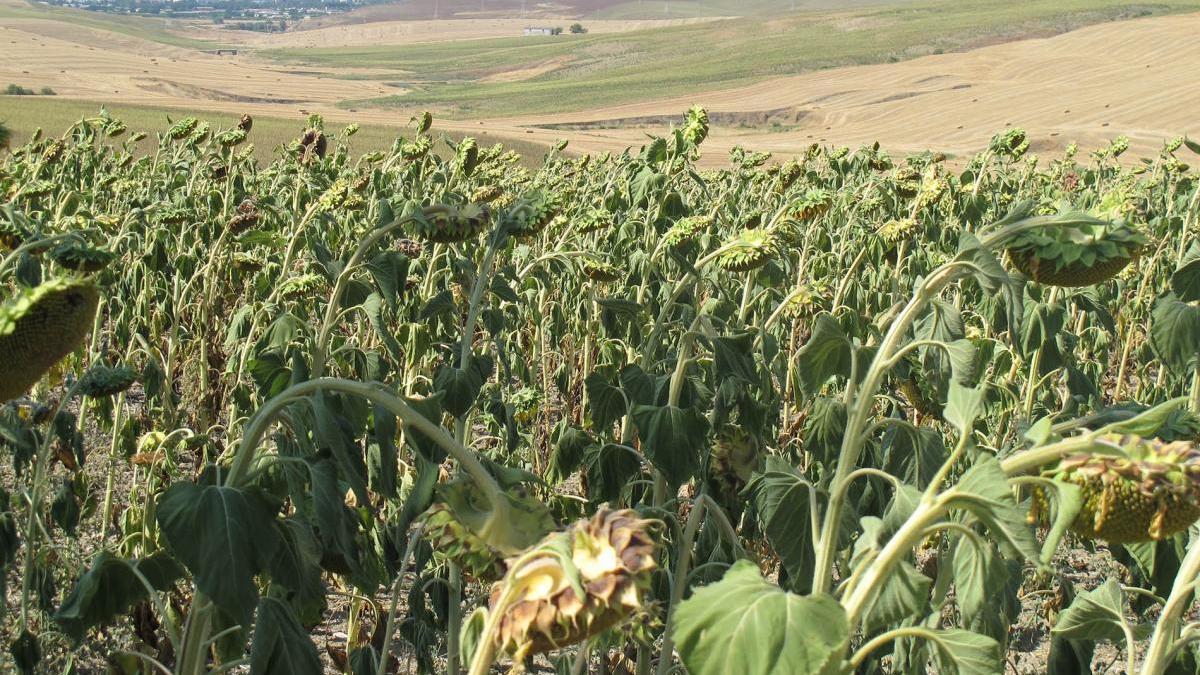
column 1084, row 86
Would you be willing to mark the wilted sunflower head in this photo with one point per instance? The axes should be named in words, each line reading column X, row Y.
column 599, row 270
column 1148, row 491
column 532, row 213
column 748, row 250
column 1080, row 250
column 813, row 203
column 448, row 224
column 577, row 583
column 41, row 326
column 897, row 230
column 686, row 230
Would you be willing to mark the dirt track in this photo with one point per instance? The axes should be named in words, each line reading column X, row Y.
column 1086, row 86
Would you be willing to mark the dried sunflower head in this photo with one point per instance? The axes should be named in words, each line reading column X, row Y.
column 1147, row 493
column 685, row 231
column 245, row 219
column 576, row 584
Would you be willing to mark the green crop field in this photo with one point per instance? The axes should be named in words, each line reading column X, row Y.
column 596, row 70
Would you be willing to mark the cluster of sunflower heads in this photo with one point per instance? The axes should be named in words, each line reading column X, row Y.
column 1078, row 250
column 1149, row 492
column 464, row 528
column 576, row 584
column 448, row 224
column 748, row 250
column 41, row 326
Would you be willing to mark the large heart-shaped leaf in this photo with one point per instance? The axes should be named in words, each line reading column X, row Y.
column 606, row 401
column 826, row 354
column 961, row 652
column 281, row 645
column 224, row 536
column 744, row 625
column 1185, row 282
column 610, row 468
column 984, row 490
column 783, row 503
column 1098, row 614
column 110, row 587
column 1175, row 333
column 672, row 439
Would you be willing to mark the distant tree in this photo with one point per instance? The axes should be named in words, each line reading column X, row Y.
column 18, row 90
column 577, row 28
column 557, row 30
column 47, row 91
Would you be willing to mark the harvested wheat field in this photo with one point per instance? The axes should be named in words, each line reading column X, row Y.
column 381, row 33
column 1084, row 86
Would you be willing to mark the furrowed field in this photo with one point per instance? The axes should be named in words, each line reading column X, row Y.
column 418, row 405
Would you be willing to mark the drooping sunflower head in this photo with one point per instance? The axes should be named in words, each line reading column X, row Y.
column 531, row 214
column 748, row 250
column 577, row 583
column 1078, row 250
column 600, row 270
column 41, row 326
column 1147, row 492
column 897, row 230
column 451, row 224
column 685, row 231
column 813, row 203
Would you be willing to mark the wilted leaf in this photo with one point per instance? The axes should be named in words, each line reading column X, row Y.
column 744, row 625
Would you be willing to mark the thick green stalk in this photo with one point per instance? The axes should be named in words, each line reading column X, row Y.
column 679, row 582
column 1161, row 651
column 860, row 411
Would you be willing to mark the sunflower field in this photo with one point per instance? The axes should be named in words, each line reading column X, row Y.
column 431, row 410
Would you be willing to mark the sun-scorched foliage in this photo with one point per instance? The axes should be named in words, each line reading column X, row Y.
column 617, row 413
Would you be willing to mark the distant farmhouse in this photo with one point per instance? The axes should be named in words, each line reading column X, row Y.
column 541, row 30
